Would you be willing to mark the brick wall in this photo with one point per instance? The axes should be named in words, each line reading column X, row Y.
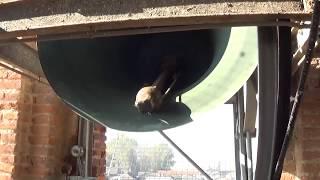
column 99, row 151
column 37, row 131
column 10, row 88
column 303, row 157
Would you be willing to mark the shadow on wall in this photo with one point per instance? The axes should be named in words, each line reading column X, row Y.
column 45, row 131
column 302, row 158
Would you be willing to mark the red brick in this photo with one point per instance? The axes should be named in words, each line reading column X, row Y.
column 43, row 109
column 42, row 140
column 289, row 166
column 8, row 124
column 101, row 177
column 98, row 170
column 45, row 99
column 99, row 136
column 40, row 144
column 4, row 167
column 22, row 158
column 310, row 155
column 26, row 86
column 25, row 117
column 7, row 148
column 311, row 120
column 6, row 176
column 10, row 84
column 10, row 115
column 309, row 177
column 310, row 108
column 2, row 95
column 40, row 130
column 313, row 144
column 8, row 159
column 311, row 133
column 3, row 74
column 13, row 75
column 8, row 138
column 11, row 95
column 20, row 169
column 99, row 128
column 9, row 105
column 39, row 171
column 313, row 81
column 41, row 161
column 98, row 152
column 39, row 88
column 42, row 119
column 99, row 145
column 24, row 128
column 312, row 95
column 98, row 162
column 26, row 98
column 25, row 108
column 311, row 168
column 42, row 150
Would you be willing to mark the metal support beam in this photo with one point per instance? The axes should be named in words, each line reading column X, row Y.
column 268, row 98
column 60, row 17
column 21, row 56
column 185, row 155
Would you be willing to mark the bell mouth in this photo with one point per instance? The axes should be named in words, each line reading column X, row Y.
column 99, row 78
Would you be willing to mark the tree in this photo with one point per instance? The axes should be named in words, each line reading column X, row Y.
column 122, row 153
column 158, row 157
column 125, row 155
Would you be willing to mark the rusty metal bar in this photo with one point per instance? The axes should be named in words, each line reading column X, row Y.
column 25, row 73
column 148, row 30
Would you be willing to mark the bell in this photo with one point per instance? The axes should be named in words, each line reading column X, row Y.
column 99, row 78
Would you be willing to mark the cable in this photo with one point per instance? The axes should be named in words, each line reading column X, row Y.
column 299, row 94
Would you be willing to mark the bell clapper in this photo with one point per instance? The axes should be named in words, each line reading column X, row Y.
column 150, row 98
column 175, row 78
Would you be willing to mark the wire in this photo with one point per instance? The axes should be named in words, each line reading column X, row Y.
column 299, row 94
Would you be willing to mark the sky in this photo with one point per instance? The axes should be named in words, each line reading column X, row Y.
column 208, row 140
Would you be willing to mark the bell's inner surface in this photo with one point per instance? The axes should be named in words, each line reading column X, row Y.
column 99, row 78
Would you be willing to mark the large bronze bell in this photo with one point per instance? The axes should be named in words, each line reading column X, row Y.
column 99, row 78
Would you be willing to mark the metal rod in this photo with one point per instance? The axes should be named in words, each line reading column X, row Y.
column 300, row 91
column 28, row 75
column 88, row 148
column 148, row 30
column 236, row 138
column 185, row 155
column 242, row 139
column 80, row 135
column 249, row 155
